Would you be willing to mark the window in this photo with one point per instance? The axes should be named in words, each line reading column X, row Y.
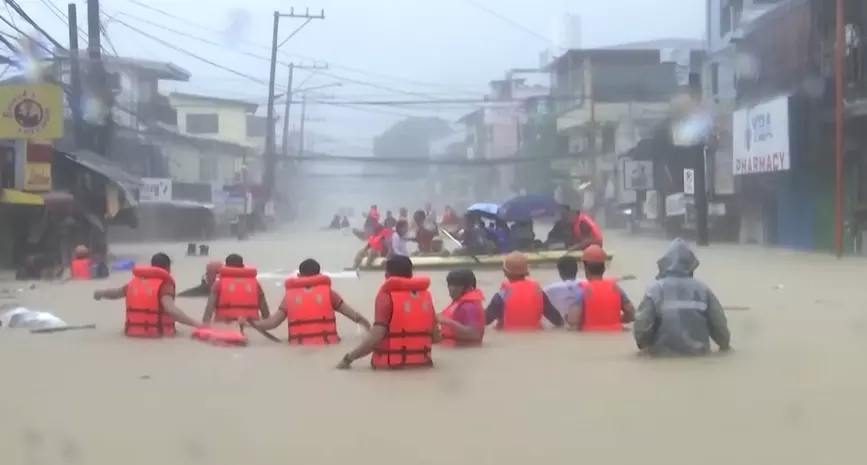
column 256, row 126
column 207, row 168
column 725, row 18
column 714, row 80
column 203, row 124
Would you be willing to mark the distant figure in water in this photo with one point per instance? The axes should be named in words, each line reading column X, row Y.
column 344, row 223
column 335, row 223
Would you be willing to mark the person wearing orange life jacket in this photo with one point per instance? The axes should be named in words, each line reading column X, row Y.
column 377, row 245
column 404, row 327
column 521, row 303
column 462, row 323
column 236, row 294
column 585, row 231
column 601, row 305
column 151, row 311
column 309, row 307
column 80, row 266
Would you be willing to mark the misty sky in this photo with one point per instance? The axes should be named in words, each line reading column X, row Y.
column 394, row 45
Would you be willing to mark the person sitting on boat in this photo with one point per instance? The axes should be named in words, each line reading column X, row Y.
column 474, row 239
column 498, row 234
column 522, row 236
column 585, row 231
column 374, row 247
column 311, row 320
column 450, row 221
column 397, row 245
column 521, row 303
column 600, row 304
column 389, row 220
column 462, row 323
column 560, row 234
column 404, row 328
column 426, row 234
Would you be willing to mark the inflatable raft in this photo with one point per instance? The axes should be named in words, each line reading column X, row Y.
column 537, row 259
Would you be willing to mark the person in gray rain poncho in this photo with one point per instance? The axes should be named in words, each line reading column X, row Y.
column 679, row 314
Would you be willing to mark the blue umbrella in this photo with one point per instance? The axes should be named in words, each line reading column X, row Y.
column 489, row 208
column 529, row 206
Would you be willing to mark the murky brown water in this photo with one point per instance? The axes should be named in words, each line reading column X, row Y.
column 791, row 393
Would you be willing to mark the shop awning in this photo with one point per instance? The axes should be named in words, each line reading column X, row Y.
column 128, row 183
column 16, row 197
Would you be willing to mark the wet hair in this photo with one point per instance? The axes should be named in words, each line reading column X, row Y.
column 463, row 277
column 235, row 261
column 567, row 266
column 419, row 216
column 401, row 224
column 594, row 268
column 161, row 260
column 399, row 267
column 309, row 267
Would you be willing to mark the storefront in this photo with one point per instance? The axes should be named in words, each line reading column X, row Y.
column 775, row 193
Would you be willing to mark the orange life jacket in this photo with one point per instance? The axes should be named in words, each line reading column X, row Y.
column 410, row 330
column 309, row 312
column 602, row 303
column 523, row 304
column 145, row 316
column 238, row 294
column 449, row 335
column 595, row 232
column 79, row 268
column 377, row 241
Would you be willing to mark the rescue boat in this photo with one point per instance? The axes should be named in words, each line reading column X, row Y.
column 438, row 262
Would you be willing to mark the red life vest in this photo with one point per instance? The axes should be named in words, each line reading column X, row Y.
column 145, row 316
column 449, row 335
column 309, row 311
column 410, row 331
column 523, row 305
column 602, row 303
column 377, row 241
column 79, row 268
column 595, row 232
column 238, row 294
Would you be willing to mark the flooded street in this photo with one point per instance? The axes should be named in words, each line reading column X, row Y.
column 789, row 393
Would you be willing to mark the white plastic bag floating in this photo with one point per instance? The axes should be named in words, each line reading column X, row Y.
column 30, row 319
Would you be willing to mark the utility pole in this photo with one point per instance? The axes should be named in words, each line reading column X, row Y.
column 97, row 86
column 301, row 128
column 702, row 228
column 75, row 74
column 289, row 95
column 270, row 136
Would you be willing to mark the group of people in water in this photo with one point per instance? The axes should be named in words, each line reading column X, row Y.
column 677, row 315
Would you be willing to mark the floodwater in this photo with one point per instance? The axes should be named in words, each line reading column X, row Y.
column 790, row 392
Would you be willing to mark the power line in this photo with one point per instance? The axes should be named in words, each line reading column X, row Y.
column 23, row 14
column 509, row 21
column 334, row 65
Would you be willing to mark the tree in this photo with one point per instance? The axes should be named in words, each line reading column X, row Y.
column 410, row 138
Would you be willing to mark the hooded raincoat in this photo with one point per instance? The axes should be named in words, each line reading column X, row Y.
column 679, row 314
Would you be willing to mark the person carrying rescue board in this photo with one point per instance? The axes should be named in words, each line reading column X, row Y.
column 236, row 294
column 309, row 306
column 151, row 311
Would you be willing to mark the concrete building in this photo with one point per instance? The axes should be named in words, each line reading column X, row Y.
column 225, row 134
column 725, row 24
column 606, row 100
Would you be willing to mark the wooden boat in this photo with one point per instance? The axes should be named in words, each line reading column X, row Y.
column 535, row 259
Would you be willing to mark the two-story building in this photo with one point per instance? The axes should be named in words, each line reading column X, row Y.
column 605, row 101
column 228, row 133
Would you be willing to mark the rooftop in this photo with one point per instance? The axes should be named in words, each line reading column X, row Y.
column 249, row 107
